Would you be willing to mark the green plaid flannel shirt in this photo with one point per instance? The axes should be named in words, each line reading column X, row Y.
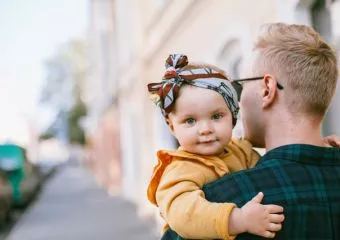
column 304, row 179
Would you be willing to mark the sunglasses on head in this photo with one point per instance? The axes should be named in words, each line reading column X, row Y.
column 238, row 86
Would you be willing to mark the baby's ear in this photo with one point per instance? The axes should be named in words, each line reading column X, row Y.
column 171, row 126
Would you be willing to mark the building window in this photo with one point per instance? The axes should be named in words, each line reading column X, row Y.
column 230, row 58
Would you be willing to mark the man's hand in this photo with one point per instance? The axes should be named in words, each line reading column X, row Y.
column 255, row 218
column 332, row 141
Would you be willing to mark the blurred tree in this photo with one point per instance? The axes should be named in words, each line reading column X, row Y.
column 63, row 89
column 76, row 133
column 46, row 135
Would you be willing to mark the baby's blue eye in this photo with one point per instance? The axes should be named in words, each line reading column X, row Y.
column 217, row 116
column 190, row 121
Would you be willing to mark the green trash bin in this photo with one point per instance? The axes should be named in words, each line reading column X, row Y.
column 12, row 160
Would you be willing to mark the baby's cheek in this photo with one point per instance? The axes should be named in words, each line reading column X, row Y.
column 187, row 140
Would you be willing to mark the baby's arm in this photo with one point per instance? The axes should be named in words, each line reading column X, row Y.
column 182, row 204
column 255, row 218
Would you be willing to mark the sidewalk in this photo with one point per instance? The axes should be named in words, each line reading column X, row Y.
column 71, row 206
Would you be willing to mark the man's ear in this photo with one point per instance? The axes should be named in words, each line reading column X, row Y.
column 269, row 90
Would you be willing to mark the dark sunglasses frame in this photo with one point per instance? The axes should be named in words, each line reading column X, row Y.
column 238, row 87
column 279, row 86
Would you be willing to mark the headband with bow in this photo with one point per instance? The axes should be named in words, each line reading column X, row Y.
column 164, row 93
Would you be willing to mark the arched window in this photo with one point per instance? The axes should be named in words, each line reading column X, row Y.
column 322, row 15
column 332, row 8
column 230, row 58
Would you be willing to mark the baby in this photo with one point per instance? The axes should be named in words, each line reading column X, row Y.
column 200, row 107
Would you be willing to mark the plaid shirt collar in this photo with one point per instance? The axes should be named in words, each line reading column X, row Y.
column 304, row 153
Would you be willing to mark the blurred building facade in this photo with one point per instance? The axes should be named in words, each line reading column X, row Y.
column 102, row 121
column 131, row 40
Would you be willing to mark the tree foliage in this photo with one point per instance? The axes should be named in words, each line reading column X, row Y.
column 63, row 89
column 76, row 133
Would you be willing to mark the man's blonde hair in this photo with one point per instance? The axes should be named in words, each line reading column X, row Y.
column 302, row 62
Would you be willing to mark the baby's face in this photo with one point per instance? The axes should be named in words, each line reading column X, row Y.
column 201, row 121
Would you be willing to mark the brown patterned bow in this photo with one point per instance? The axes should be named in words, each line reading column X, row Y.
column 165, row 92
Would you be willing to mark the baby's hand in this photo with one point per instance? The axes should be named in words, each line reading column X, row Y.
column 262, row 220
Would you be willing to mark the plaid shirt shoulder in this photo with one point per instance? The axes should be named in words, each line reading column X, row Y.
column 304, row 179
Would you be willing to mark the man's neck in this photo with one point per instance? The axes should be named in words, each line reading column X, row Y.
column 293, row 131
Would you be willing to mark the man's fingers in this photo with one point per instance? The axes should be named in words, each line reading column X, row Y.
column 332, row 140
column 276, row 218
column 335, row 143
column 274, row 208
column 274, row 227
column 258, row 198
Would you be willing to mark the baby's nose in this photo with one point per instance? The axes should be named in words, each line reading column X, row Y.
column 205, row 128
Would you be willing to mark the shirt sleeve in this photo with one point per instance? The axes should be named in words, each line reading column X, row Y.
column 183, row 205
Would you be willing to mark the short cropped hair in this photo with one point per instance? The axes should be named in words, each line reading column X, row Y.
column 301, row 61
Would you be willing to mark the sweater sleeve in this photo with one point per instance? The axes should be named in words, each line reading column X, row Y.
column 183, row 206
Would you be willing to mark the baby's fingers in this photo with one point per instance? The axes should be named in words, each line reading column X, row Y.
column 274, row 208
column 268, row 234
column 276, row 218
column 258, row 198
column 274, row 227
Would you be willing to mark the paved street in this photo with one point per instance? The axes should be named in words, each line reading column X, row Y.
column 72, row 206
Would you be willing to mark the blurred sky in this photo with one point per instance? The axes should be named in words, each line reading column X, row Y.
column 30, row 32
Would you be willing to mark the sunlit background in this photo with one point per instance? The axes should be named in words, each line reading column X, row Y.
column 73, row 75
